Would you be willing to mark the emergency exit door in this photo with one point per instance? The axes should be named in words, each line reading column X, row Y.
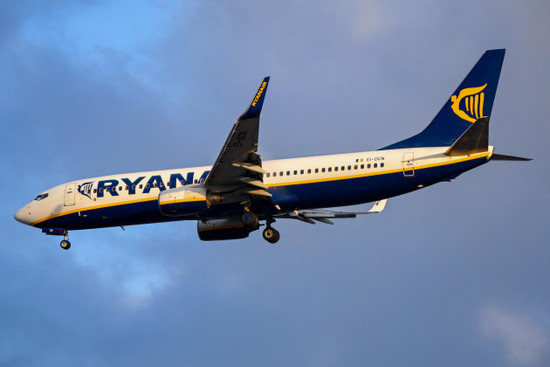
column 69, row 194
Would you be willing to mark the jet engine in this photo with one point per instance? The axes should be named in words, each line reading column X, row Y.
column 182, row 201
column 223, row 229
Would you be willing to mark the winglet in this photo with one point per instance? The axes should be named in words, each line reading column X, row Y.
column 255, row 106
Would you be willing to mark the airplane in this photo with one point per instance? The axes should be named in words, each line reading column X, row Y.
column 230, row 198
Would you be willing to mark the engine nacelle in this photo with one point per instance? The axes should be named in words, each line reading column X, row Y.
column 223, row 229
column 182, row 201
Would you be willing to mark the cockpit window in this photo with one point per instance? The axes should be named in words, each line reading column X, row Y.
column 41, row 197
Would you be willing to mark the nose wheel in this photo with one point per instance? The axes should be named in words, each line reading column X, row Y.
column 65, row 244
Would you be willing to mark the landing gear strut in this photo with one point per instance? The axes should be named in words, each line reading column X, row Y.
column 65, row 244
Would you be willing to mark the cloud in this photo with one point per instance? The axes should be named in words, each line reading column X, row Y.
column 526, row 341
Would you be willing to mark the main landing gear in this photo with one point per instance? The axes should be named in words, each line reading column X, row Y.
column 271, row 235
column 250, row 220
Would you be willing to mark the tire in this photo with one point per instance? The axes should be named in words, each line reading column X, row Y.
column 65, row 245
column 249, row 219
column 271, row 235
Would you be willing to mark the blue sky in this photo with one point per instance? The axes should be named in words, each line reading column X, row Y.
column 457, row 274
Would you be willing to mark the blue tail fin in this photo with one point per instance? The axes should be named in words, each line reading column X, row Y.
column 471, row 100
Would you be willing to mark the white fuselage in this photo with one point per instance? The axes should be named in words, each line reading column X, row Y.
column 300, row 183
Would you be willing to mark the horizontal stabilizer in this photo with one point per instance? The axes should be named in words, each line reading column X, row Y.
column 474, row 140
column 378, row 206
column 502, row 157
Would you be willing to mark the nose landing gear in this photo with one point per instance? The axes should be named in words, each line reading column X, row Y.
column 65, row 244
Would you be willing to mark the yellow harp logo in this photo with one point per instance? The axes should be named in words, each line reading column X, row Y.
column 473, row 103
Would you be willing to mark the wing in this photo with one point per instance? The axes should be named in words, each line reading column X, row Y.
column 325, row 216
column 238, row 166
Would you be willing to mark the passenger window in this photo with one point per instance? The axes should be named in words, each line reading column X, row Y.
column 368, row 165
column 362, row 166
column 316, row 170
column 309, row 171
column 295, row 172
column 268, row 174
column 274, row 174
column 301, row 171
column 375, row 165
column 323, row 170
column 288, row 173
column 381, row 164
column 343, row 168
column 329, row 169
column 349, row 168
column 335, row 169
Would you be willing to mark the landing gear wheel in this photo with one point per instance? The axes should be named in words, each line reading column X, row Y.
column 249, row 219
column 65, row 245
column 271, row 235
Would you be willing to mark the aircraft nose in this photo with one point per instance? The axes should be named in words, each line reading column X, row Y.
column 23, row 215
